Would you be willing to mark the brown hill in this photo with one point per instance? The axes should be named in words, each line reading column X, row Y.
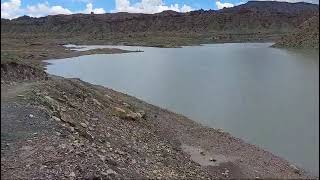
column 255, row 19
column 305, row 36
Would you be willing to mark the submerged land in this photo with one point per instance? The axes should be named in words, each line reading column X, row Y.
column 59, row 128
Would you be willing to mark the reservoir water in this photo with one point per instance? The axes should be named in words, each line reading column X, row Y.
column 266, row 96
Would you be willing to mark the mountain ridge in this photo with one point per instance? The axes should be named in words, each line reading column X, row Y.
column 255, row 20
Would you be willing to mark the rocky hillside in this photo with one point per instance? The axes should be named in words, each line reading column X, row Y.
column 255, row 17
column 306, row 36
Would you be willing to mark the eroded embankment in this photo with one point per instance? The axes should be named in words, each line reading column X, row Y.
column 66, row 128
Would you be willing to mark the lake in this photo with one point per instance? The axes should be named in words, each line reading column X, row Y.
column 266, row 96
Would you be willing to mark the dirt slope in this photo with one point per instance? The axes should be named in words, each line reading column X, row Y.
column 59, row 128
column 305, row 36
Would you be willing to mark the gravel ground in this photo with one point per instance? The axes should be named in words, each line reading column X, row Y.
column 68, row 129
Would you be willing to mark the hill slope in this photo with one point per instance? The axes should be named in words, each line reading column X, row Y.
column 306, row 36
column 255, row 19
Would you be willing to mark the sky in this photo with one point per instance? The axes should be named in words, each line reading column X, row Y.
column 37, row 8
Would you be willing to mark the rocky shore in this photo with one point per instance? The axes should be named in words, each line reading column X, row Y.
column 58, row 128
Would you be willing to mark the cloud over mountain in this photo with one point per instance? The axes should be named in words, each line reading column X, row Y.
column 12, row 9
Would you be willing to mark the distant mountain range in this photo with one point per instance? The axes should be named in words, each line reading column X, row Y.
column 260, row 18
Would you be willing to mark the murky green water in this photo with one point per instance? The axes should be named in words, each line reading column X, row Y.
column 267, row 96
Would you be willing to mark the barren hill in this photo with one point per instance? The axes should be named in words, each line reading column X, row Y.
column 306, row 36
column 254, row 20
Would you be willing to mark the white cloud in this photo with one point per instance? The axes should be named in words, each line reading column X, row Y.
column 82, row 1
column 148, row 6
column 12, row 9
column 221, row 5
column 43, row 9
column 186, row 8
column 89, row 9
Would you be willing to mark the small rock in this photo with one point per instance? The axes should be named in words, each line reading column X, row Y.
column 120, row 110
column 106, row 95
column 220, row 130
column 56, row 118
column 103, row 158
column 63, row 146
column 43, row 167
column 119, row 152
column 91, row 128
column 72, row 129
column 20, row 95
column 133, row 161
column 84, row 125
column 92, row 177
column 226, row 173
column 110, row 171
column 49, row 148
column 61, row 99
column 72, row 174
column 212, row 159
column 31, row 115
column 132, row 116
column 126, row 104
column 58, row 133
column 295, row 169
column 101, row 140
column 108, row 145
column 96, row 102
column 27, row 148
column 63, row 109
column 103, row 151
column 142, row 114
column 139, row 115
column 52, row 102
column 94, row 119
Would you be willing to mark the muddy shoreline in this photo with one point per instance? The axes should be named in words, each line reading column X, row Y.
column 90, row 131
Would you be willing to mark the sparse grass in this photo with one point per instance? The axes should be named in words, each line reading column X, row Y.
column 8, row 57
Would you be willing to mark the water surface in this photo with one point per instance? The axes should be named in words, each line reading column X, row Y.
column 267, row 96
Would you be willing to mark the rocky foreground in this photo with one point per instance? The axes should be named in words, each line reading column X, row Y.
column 57, row 128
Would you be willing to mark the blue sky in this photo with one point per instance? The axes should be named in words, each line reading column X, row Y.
column 37, row 8
column 108, row 5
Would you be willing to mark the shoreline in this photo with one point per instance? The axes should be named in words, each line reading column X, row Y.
column 233, row 157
